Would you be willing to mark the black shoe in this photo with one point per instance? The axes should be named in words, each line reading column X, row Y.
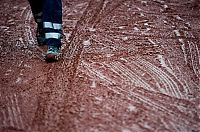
column 52, row 54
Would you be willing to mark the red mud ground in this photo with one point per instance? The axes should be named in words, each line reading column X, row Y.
column 127, row 66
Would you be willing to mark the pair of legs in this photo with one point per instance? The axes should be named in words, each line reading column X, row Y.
column 48, row 16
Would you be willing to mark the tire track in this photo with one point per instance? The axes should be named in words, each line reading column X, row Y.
column 170, row 88
column 12, row 116
column 191, row 55
column 170, row 85
column 53, row 108
column 155, row 105
column 194, row 55
column 107, row 11
column 131, row 75
column 54, row 111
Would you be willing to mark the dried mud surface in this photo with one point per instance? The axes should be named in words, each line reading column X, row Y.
column 127, row 66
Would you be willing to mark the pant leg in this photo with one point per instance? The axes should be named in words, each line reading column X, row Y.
column 52, row 21
column 36, row 7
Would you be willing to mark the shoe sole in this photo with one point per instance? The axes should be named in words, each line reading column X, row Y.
column 51, row 57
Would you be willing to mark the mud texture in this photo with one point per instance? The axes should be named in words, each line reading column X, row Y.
column 127, row 66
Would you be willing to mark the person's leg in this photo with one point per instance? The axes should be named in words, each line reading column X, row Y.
column 37, row 8
column 52, row 22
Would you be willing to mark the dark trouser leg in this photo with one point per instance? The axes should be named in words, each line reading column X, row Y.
column 36, row 7
column 52, row 22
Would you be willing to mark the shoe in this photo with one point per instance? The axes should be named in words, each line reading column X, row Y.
column 52, row 54
column 40, row 36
